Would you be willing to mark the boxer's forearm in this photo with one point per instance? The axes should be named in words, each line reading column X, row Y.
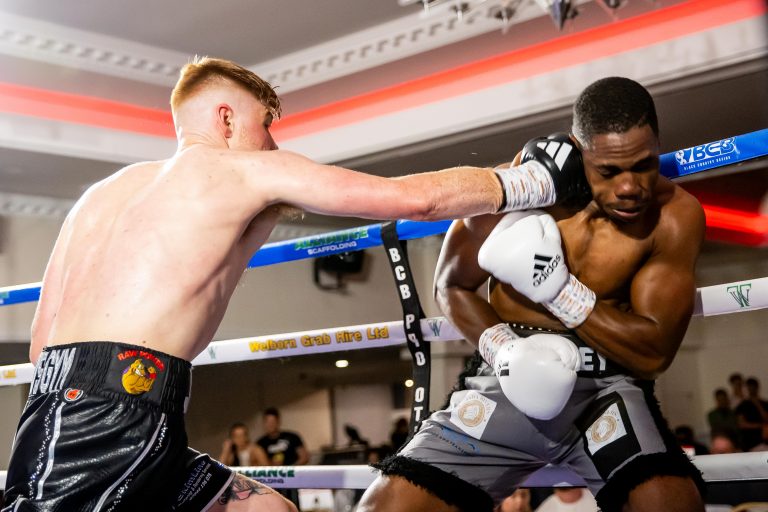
column 454, row 193
column 467, row 311
column 635, row 342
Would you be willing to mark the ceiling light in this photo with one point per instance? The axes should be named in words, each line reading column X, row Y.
column 559, row 10
column 409, row 383
column 342, row 363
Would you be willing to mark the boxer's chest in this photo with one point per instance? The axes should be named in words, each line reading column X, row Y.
column 603, row 255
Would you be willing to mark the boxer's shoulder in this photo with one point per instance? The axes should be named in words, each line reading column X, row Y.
column 681, row 216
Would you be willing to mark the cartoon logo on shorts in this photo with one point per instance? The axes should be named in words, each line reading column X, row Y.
column 72, row 395
column 138, row 379
column 472, row 413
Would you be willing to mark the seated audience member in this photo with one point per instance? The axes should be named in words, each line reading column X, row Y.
column 724, row 442
column 518, row 501
column 722, row 418
column 238, row 450
column 684, row 435
column 353, row 437
column 736, row 381
column 573, row 499
column 399, row 434
column 752, row 416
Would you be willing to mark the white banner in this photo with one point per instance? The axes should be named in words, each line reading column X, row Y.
column 719, row 299
column 733, row 467
column 726, row 298
column 333, row 339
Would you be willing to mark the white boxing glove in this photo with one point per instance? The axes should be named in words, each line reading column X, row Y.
column 525, row 251
column 536, row 374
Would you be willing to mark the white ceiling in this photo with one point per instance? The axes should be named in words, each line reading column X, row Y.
column 247, row 31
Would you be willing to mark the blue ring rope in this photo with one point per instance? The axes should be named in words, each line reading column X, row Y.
column 705, row 157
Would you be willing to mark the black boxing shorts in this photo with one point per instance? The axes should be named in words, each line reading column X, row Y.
column 103, row 430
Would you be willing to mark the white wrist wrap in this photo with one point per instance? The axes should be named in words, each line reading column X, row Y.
column 573, row 304
column 526, row 186
column 492, row 339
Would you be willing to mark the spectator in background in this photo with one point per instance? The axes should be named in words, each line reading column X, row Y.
column 752, row 416
column 354, row 438
column 283, row 448
column 573, row 499
column 723, row 442
column 684, row 435
column 399, row 434
column 722, row 418
column 737, row 389
column 518, row 501
column 238, row 450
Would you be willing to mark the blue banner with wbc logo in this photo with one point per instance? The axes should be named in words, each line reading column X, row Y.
column 712, row 155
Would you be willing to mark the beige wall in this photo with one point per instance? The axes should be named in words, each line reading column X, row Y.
column 25, row 243
column 11, row 403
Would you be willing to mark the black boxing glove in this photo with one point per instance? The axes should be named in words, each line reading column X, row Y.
column 562, row 159
column 551, row 171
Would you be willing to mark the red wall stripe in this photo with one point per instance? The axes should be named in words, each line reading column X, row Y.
column 87, row 110
column 609, row 39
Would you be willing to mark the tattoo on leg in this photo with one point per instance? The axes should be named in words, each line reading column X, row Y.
column 241, row 489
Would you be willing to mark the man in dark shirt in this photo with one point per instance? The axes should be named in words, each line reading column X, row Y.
column 722, row 418
column 752, row 415
column 283, row 448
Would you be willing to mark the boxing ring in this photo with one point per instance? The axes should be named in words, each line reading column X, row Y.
column 727, row 298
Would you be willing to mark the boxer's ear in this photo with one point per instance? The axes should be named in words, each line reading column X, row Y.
column 224, row 119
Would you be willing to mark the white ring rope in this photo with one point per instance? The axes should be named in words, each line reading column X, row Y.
column 735, row 467
column 711, row 300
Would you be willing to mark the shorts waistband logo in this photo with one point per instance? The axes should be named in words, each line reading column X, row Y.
column 138, row 378
column 52, row 370
column 72, row 395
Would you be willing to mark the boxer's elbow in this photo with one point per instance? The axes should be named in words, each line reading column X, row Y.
column 649, row 367
column 440, row 294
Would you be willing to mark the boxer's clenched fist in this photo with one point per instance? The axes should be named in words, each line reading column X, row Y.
column 525, row 251
column 536, row 374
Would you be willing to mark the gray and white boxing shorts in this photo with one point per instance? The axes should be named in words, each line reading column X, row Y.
column 479, row 447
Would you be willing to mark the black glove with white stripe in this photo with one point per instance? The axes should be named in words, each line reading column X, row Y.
column 562, row 159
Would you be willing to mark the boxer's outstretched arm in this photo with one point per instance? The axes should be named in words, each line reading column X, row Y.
column 458, row 276
column 286, row 177
column 645, row 339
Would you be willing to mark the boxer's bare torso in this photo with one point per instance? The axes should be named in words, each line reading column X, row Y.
column 638, row 260
column 152, row 255
column 603, row 254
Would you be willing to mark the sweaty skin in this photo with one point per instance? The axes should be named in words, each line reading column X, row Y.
column 635, row 245
column 151, row 255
